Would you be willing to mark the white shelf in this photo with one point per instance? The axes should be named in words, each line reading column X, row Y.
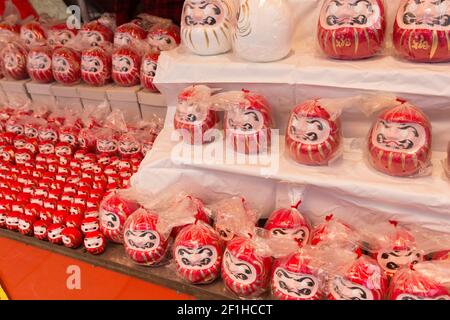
column 425, row 198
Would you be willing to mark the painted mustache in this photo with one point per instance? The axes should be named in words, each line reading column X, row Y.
column 443, row 20
column 358, row 20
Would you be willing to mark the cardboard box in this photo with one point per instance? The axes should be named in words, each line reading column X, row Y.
column 116, row 93
column 40, row 88
column 14, row 86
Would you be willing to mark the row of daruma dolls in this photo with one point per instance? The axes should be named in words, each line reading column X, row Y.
column 97, row 54
column 347, row 29
column 399, row 142
column 289, row 256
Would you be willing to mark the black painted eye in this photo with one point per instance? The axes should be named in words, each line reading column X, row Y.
column 186, row 261
column 247, row 127
column 191, row 117
column 210, row 21
column 242, row 276
column 384, row 256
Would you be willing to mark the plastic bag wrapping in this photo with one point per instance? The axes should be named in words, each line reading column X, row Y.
column 149, row 65
column 199, row 28
column 425, row 281
column 114, row 210
column 399, row 142
column 146, row 21
column 248, row 120
column 126, row 62
column 13, row 57
column 11, row 19
column 66, row 62
column 197, row 253
column 194, row 117
column 164, row 36
column 289, row 223
column 34, row 33
column 39, row 63
column 446, row 163
column 125, row 32
column 96, row 64
column 94, row 115
column 335, row 232
column 244, row 272
column 313, row 135
column 351, row 276
column 99, row 31
column 59, row 34
column 143, row 243
column 422, row 31
column 234, row 217
column 256, row 40
column 350, row 31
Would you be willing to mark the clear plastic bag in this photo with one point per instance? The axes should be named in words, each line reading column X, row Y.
column 351, row 30
column 313, row 135
column 14, row 59
column 59, row 34
column 197, row 252
column 289, row 223
column 39, row 64
column 164, row 37
column 126, row 32
column 148, row 70
column 99, row 31
column 96, row 65
column 126, row 63
column 422, row 31
column 11, row 21
column 334, row 232
column 425, row 281
column 248, row 121
column 194, row 116
column 33, row 33
column 399, row 142
column 446, row 163
column 66, row 66
column 205, row 31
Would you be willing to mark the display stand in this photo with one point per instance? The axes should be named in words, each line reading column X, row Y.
column 350, row 186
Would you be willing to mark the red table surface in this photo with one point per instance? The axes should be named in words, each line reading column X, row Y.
column 27, row 272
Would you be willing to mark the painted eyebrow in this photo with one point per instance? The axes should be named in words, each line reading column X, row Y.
column 252, row 113
column 316, row 122
column 438, row 2
column 126, row 60
column 416, row 134
column 338, row 3
column 206, row 249
column 245, row 266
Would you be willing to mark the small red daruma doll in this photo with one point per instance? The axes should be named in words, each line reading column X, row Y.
column 32, row 33
column 60, row 34
column 66, row 66
column 114, row 211
column 96, row 33
column 129, row 145
column 193, row 118
column 54, row 231
column 412, row 284
column 295, row 278
column 96, row 66
column 39, row 64
column 143, row 243
column 364, row 280
column 72, row 237
column 289, row 223
column 422, row 30
column 94, row 242
column 333, row 231
column 244, row 272
column 40, row 229
column 399, row 142
column 124, row 34
column 14, row 61
column 248, row 123
column 351, row 29
column 197, row 252
column 313, row 136
column 148, row 70
column 25, row 225
column 164, row 37
column 126, row 64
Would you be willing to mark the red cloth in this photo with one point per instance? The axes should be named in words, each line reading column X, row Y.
column 24, row 7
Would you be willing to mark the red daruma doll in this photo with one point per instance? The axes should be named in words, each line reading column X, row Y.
column 197, row 252
column 96, row 66
column 143, row 243
column 399, row 142
column 193, row 117
column 39, row 65
column 164, row 37
column 244, row 271
column 313, row 136
column 351, row 29
column 59, row 35
column 66, row 66
column 124, row 33
column 32, row 33
column 422, row 30
column 113, row 211
column 248, row 122
column 96, row 33
column 14, row 61
column 126, row 64
column 148, row 70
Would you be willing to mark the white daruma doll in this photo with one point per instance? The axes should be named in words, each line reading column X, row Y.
column 193, row 117
column 313, row 136
column 206, row 26
column 351, row 29
column 422, row 30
